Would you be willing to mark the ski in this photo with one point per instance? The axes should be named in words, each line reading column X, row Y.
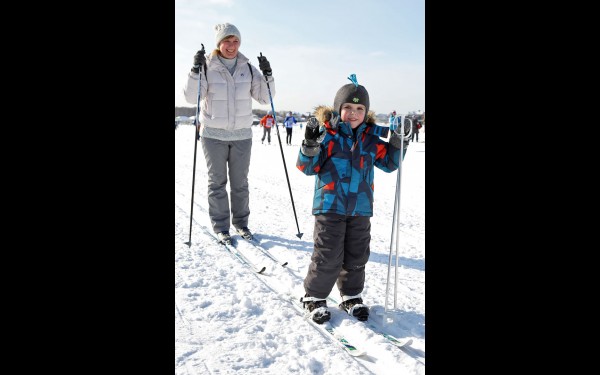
column 256, row 244
column 233, row 250
column 398, row 342
column 328, row 330
column 326, row 327
column 350, row 349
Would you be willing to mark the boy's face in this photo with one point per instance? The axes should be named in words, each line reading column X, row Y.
column 353, row 114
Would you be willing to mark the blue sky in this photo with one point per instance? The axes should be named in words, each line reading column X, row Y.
column 314, row 45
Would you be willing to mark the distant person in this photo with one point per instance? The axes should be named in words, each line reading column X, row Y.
column 267, row 122
column 342, row 147
column 289, row 122
column 416, row 125
column 228, row 83
column 394, row 121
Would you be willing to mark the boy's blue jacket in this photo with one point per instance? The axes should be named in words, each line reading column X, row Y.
column 344, row 166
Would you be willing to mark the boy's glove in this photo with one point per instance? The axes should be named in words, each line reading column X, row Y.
column 264, row 65
column 199, row 60
column 312, row 138
column 312, row 132
column 396, row 138
column 408, row 123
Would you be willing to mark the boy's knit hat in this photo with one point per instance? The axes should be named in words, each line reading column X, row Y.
column 223, row 30
column 351, row 94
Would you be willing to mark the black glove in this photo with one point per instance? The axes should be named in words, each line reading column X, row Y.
column 408, row 123
column 312, row 131
column 264, row 65
column 396, row 137
column 199, row 60
column 310, row 144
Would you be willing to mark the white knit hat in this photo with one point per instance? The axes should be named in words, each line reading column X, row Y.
column 224, row 30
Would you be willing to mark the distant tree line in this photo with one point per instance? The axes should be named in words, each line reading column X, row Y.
column 185, row 111
column 381, row 117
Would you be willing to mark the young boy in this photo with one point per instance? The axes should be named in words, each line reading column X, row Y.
column 342, row 146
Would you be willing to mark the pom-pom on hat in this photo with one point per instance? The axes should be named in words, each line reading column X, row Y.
column 351, row 93
column 223, row 30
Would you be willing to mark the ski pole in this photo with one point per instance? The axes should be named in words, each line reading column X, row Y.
column 299, row 235
column 395, row 221
column 196, row 122
column 393, row 234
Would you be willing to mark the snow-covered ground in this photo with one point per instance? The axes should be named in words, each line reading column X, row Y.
column 229, row 319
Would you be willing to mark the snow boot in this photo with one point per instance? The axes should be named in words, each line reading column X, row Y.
column 224, row 238
column 353, row 306
column 317, row 307
column 245, row 233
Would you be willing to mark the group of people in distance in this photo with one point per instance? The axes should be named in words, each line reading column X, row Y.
column 268, row 121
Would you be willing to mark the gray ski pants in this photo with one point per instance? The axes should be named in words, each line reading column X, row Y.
column 341, row 250
column 227, row 158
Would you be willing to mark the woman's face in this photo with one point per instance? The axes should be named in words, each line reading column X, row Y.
column 353, row 113
column 229, row 47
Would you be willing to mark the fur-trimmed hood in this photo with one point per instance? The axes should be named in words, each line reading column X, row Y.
column 323, row 114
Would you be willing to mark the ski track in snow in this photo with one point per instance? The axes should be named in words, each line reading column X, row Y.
column 229, row 319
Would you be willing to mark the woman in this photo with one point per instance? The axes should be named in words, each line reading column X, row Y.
column 228, row 83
